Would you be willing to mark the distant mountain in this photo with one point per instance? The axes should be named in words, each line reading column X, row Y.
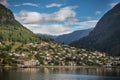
column 106, row 35
column 12, row 30
column 76, row 35
column 47, row 36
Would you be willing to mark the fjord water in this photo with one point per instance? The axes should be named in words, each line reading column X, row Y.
column 60, row 74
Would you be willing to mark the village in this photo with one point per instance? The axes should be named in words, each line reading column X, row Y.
column 54, row 54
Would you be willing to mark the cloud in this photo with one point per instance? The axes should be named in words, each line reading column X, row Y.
column 29, row 17
column 53, row 5
column 89, row 18
column 90, row 23
column 60, row 22
column 63, row 14
column 4, row 2
column 82, row 25
column 51, row 29
column 98, row 12
column 113, row 4
column 59, row 29
column 45, row 23
column 27, row 4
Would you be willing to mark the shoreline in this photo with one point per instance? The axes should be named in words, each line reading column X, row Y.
column 59, row 67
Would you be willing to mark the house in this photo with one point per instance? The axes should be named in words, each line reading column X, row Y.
column 1, row 60
column 27, row 62
column 108, row 65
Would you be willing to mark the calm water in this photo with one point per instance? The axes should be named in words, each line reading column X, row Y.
column 60, row 74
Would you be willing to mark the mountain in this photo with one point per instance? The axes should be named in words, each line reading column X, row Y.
column 47, row 36
column 69, row 38
column 106, row 35
column 12, row 30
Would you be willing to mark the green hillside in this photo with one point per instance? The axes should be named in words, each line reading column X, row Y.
column 12, row 30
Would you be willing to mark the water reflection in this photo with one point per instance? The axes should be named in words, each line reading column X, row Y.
column 60, row 74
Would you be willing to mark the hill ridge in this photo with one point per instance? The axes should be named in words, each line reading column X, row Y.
column 106, row 35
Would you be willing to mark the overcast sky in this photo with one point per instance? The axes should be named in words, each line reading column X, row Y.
column 56, row 17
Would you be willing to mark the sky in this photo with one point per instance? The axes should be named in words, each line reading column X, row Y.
column 57, row 17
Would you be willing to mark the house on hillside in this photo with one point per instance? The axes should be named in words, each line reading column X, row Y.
column 27, row 62
column 1, row 60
